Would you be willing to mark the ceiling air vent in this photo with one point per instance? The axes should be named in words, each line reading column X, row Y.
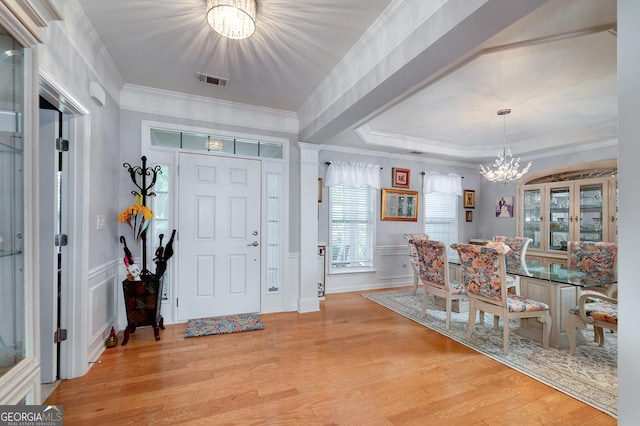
column 212, row 79
column 416, row 152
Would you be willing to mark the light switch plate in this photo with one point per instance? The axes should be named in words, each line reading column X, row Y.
column 100, row 222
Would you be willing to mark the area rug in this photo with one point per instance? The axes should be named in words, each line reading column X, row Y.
column 223, row 324
column 590, row 375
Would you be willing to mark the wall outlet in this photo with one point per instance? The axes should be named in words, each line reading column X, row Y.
column 100, row 222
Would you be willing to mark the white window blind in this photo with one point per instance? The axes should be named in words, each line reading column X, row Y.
column 352, row 219
column 441, row 220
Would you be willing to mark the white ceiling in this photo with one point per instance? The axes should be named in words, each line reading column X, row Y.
column 555, row 68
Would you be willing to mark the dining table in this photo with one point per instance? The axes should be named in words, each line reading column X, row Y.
column 559, row 286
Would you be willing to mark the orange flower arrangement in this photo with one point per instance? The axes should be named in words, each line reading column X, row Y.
column 136, row 213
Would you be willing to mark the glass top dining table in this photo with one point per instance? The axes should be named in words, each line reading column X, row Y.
column 562, row 274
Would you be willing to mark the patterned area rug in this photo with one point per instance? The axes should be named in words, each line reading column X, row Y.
column 590, row 375
column 223, row 324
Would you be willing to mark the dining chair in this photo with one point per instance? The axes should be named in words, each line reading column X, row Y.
column 594, row 257
column 515, row 258
column 599, row 310
column 484, row 278
column 591, row 256
column 413, row 259
column 434, row 274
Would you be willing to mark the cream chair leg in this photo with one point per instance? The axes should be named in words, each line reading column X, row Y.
column 425, row 298
column 505, row 335
column 496, row 322
column 448, row 313
column 598, row 336
column 472, row 317
column 415, row 284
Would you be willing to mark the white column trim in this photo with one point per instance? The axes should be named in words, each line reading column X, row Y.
column 308, row 300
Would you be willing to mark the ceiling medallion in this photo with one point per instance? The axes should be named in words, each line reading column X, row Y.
column 505, row 168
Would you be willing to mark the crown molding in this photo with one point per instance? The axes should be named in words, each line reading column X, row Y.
column 23, row 18
column 164, row 102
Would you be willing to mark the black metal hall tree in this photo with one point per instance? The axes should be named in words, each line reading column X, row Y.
column 143, row 297
column 143, row 190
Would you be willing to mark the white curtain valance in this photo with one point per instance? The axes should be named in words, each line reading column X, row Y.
column 446, row 184
column 352, row 174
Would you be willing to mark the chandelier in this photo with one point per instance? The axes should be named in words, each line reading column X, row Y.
column 235, row 19
column 213, row 144
column 505, row 168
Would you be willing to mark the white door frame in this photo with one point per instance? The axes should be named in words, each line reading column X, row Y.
column 285, row 299
column 74, row 307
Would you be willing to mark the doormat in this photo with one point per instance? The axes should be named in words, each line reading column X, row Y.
column 223, row 324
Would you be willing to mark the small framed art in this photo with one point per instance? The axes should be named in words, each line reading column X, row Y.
column 400, row 177
column 469, row 216
column 469, row 199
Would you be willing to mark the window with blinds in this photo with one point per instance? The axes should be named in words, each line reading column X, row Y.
column 352, row 218
column 441, row 220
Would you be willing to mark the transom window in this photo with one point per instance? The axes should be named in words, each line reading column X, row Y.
column 214, row 143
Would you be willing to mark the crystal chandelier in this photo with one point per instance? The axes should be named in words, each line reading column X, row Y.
column 505, row 168
column 235, row 19
column 213, row 144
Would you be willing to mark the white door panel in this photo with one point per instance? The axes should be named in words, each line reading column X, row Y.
column 219, row 221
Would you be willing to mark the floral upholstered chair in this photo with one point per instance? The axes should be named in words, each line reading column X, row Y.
column 515, row 258
column 484, row 278
column 593, row 257
column 599, row 310
column 590, row 256
column 413, row 258
column 434, row 273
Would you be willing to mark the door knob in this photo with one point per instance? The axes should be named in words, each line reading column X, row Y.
column 253, row 244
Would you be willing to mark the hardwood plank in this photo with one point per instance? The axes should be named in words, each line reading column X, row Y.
column 353, row 362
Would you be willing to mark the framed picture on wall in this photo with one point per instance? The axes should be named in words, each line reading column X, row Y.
column 469, row 216
column 399, row 205
column 400, row 178
column 469, row 199
column 504, row 207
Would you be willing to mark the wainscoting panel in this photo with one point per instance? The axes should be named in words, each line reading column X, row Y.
column 102, row 293
column 392, row 269
column 394, row 262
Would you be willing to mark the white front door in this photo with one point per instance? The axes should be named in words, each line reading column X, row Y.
column 219, row 236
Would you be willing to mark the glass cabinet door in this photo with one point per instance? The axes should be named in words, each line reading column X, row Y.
column 559, row 217
column 532, row 215
column 591, row 212
column 12, row 282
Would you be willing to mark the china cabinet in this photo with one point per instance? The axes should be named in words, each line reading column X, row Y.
column 555, row 212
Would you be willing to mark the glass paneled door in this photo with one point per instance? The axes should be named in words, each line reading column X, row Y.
column 532, row 216
column 560, row 218
column 12, row 282
column 591, row 216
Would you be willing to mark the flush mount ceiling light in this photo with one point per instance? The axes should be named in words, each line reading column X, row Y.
column 213, row 144
column 505, row 168
column 235, row 19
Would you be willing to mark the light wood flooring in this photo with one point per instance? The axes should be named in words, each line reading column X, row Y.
column 354, row 362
